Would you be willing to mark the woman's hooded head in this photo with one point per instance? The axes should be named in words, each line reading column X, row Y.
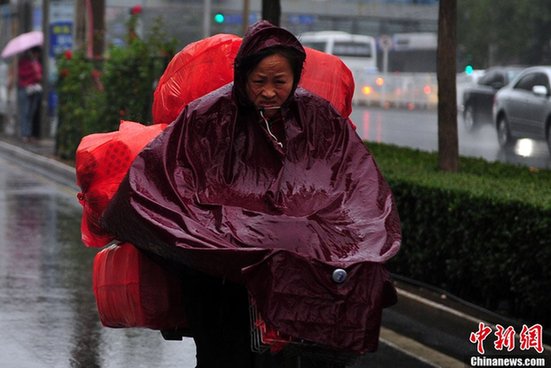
column 261, row 40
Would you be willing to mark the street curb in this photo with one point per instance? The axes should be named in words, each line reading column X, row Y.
column 57, row 171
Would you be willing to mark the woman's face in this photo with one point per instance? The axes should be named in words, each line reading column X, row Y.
column 270, row 83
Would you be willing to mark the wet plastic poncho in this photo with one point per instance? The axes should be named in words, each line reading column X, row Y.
column 214, row 192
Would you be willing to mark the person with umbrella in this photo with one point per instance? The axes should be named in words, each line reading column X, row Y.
column 262, row 189
column 27, row 46
column 29, row 90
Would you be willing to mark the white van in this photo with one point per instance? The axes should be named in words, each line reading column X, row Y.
column 358, row 52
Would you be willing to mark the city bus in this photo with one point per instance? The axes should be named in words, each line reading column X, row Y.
column 413, row 53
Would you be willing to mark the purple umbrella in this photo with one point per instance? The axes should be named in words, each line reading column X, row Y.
column 22, row 43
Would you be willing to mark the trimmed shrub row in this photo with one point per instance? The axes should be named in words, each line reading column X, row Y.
column 483, row 233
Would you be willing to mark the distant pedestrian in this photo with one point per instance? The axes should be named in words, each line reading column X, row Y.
column 29, row 90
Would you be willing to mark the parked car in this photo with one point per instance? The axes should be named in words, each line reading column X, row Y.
column 522, row 109
column 478, row 98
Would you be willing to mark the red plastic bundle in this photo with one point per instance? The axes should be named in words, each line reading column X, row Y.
column 205, row 65
column 327, row 76
column 133, row 290
column 102, row 161
column 199, row 68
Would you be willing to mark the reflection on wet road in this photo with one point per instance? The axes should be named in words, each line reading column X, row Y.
column 419, row 129
column 48, row 315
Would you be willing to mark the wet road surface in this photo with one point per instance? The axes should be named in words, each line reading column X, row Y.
column 419, row 129
column 48, row 315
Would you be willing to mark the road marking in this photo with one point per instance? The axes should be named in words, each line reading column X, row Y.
column 417, row 350
column 444, row 308
column 439, row 306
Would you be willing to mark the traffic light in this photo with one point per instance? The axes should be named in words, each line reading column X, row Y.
column 469, row 69
column 219, row 18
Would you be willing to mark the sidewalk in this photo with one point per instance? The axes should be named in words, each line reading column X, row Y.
column 44, row 147
column 39, row 156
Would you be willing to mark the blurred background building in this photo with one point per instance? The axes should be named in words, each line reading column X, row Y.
column 77, row 24
column 184, row 19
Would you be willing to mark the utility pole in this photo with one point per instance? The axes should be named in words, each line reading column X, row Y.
column 206, row 18
column 90, row 27
column 45, row 123
column 25, row 16
column 271, row 11
column 246, row 6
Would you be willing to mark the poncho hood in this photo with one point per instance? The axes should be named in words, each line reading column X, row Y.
column 260, row 36
column 215, row 193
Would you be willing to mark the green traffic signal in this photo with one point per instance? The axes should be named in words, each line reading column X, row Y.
column 469, row 69
column 219, row 18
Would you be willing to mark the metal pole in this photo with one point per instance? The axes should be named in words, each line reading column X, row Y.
column 206, row 18
column 45, row 128
column 245, row 15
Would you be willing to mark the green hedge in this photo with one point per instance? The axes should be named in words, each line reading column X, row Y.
column 95, row 95
column 483, row 233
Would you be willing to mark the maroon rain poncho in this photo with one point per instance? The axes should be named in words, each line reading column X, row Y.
column 215, row 193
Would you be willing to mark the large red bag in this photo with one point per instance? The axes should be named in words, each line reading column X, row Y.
column 102, row 160
column 205, row 65
column 133, row 290
column 199, row 68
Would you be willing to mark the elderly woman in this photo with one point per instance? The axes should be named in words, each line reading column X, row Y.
column 262, row 189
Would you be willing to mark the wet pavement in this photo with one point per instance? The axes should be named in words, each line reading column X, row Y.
column 48, row 315
column 418, row 129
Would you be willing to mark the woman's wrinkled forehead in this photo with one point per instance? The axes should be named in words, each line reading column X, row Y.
column 274, row 64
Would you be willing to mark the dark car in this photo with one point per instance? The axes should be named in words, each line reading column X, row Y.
column 478, row 99
column 522, row 109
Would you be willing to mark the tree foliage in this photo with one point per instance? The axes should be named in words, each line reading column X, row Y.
column 94, row 96
column 505, row 32
column 130, row 74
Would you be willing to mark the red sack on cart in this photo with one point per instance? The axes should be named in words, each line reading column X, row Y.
column 102, row 160
column 133, row 290
column 205, row 65
column 199, row 68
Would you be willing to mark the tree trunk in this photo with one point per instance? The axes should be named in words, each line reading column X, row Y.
column 98, row 28
column 271, row 11
column 25, row 16
column 80, row 25
column 90, row 27
column 448, row 150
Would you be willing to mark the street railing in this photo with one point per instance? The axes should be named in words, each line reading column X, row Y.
column 396, row 90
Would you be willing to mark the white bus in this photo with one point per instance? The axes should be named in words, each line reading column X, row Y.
column 358, row 52
column 413, row 53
